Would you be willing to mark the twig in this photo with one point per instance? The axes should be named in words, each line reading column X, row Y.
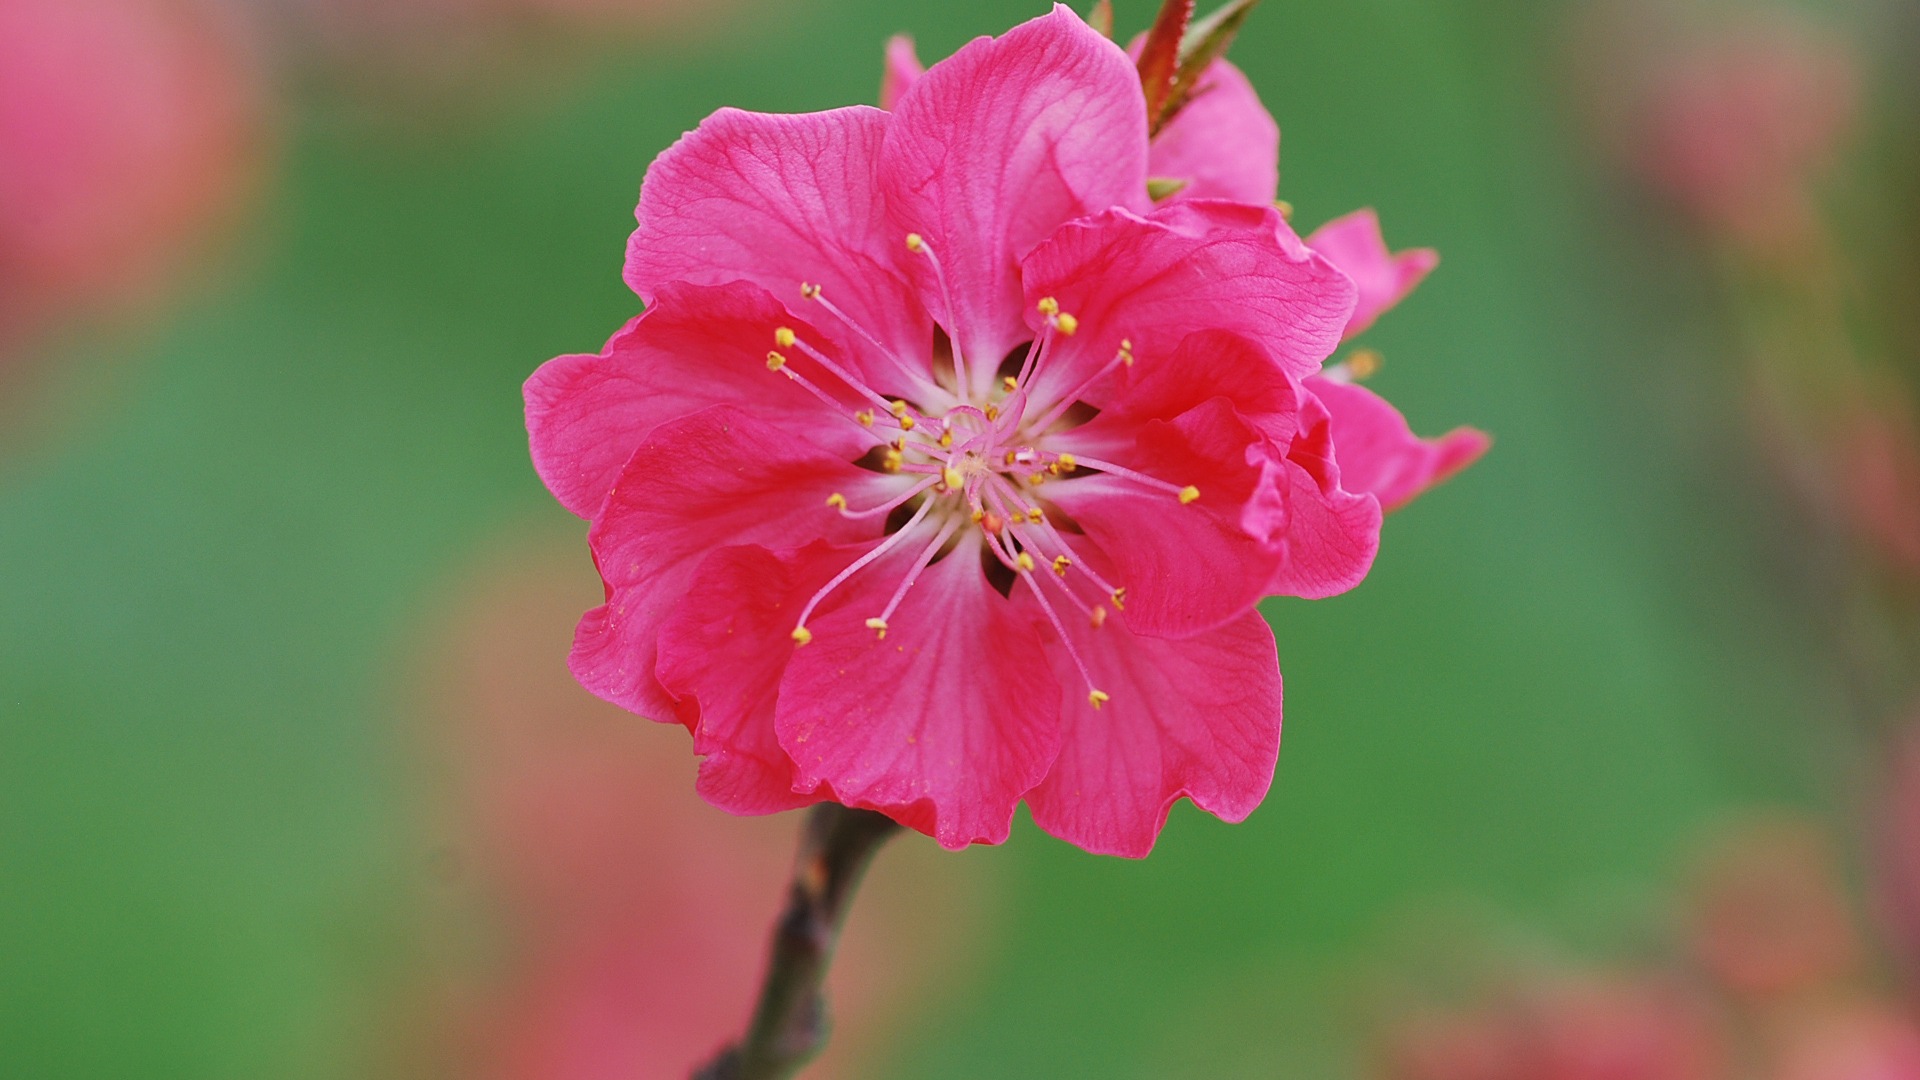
column 789, row 1025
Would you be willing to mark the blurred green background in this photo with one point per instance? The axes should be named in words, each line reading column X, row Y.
column 226, row 538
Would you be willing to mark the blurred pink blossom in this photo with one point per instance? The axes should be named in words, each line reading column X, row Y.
column 1854, row 1041
column 127, row 129
column 1767, row 916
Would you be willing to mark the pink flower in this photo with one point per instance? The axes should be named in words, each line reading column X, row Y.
column 994, row 524
column 127, row 129
column 1768, row 918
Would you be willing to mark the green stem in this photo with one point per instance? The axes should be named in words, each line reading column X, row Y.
column 789, row 1026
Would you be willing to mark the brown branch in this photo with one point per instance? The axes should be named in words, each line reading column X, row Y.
column 789, row 1025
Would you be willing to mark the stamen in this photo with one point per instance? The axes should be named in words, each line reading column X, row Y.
column 813, row 293
column 919, row 246
column 1060, row 564
column 913, row 575
column 1123, row 357
column 1188, row 494
column 879, row 627
column 885, row 507
column 786, row 339
column 1026, row 573
column 778, row 362
column 1185, row 493
column 800, row 632
column 1097, row 698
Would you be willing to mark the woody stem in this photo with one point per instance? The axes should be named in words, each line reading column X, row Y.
column 789, row 1025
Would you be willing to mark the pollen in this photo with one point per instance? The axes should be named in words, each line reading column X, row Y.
column 1048, row 306
column 1025, row 562
column 946, row 439
column 1363, row 363
column 914, row 242
column 1010, row 383
column 865, row 416
column 809, row 290
column 837, row 501
column 1036, row 479
column 950, row 476
column 1097, row 698
column 1067, row 463
column 1060, row 564
column 1120, row 599
column 802, row 635
column 993, row 413
column 879, row 627
column 1067, row 323
column 784, row 338
column 1188, row 494
column 892, row 460
column 906, row 423
column 978, row 515
column 897, row 408
column 1034, row 516
column 775, row 361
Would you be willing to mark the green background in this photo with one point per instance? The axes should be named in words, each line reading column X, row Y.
column 1563, row 664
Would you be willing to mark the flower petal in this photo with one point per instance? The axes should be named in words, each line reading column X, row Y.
column 945, row 723
column 1195, row 718
column 902, row 70
column 1356, row 246
column 1192, row 266
column 1224, row 143
column 997, row 146
column 782, row 200
column 695, row 348
column 1185, row 567
column 1379, row 454
column 722, row 655
column 717, row 478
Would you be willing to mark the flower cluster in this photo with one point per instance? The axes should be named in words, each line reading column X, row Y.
column 947, row 465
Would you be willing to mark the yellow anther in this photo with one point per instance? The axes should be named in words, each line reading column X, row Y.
column 865, row 416
column 1097, row 698
column 1010, row 383
column 1067, row 323
column 809, row 291
column 914, row 243
column 784, row 338
column 1067, row 462
column 899, row 444
column 946, row 439
column 1126, row 351
column 1010, row 455
column 1099, row 616
column 951, row 477
column 906, row 423
column 1060, row 564
column 993, row 413
column 978, row 515
column 878, row 626
column 892, row 460
column 802, row 635
column 1034, row 516
column 837, row 501
column 1285, row 208
column 1120, row 599
column 1036, row 479
column 1025, row 562
column 1188, row 494
column 897, row 408
column 1362, row 363
column 1053, row 468
column 1048, row 306
column 775, row 361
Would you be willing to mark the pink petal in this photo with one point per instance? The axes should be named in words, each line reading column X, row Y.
column 696, row 347
column 1196, row 718
column 717, row 478
column 902, row 70
column 723, row 657
column 1379, row 454
column 1192, row 266
column 1185, row 568
column 943, row 725
column 997, row 146
column 1356, row 246
column 779, row 201
column 1224, row 143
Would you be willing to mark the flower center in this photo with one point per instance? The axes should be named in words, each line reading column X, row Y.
column 981, row 466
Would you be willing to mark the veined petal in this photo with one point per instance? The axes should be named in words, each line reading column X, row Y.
column 781, row 201
column 1196, row 718
column 717, row 478
column 722, row 654
column 998, row 145
column 1225, row 143
column 1379, row 454
column 1355, row 245
column 945, row 723
column 695, row 348
column 1192, row 266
